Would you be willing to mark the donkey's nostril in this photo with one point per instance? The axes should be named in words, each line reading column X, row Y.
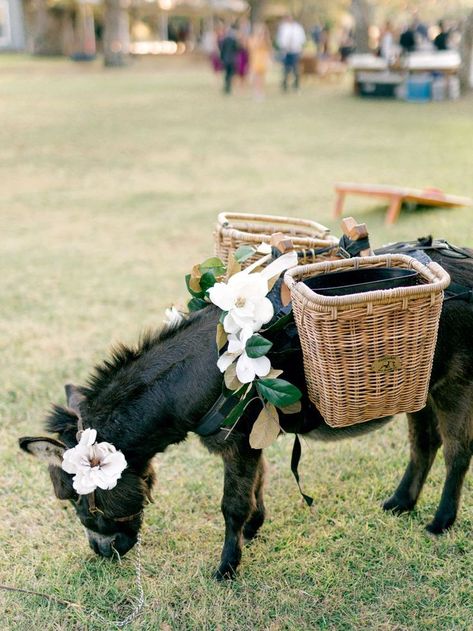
column 93, row 544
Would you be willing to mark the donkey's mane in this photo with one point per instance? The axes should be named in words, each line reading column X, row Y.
column 121, row 355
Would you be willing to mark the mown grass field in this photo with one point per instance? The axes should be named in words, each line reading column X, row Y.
column 111, row 182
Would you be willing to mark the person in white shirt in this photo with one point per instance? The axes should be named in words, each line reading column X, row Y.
column 290, row 40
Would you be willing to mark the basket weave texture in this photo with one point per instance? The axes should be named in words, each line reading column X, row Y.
column 368, row 355
column 236, row 229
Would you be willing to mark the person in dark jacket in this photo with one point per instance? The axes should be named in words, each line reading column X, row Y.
column 228, row 54
column 407, row 41
column 441, row 41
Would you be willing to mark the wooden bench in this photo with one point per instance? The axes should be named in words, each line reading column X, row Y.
column 396, row 195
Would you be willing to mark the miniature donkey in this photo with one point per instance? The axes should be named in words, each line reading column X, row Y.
column 142, row 400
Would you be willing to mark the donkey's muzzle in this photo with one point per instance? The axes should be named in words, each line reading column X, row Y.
column 109, row 545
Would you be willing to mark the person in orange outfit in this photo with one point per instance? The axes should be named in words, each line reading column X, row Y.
column 260, row 49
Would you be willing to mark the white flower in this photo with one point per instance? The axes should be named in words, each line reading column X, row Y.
column 247, row 368
column 94, row 464
column 244, row 298
column 172, row 317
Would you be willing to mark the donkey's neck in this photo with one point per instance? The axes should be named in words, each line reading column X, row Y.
column 172, row 386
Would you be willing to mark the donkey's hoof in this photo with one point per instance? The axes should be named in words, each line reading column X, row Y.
column 440, row 527
column 224, row 574
column 397, row 506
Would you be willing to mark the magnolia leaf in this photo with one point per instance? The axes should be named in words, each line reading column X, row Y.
column 272, row 281
column 266, row 428
column 257, row 346
column 195, row 272
column 231, row 380
column 274, row 373
column 280, row 323
column 193, row 287
column 214, row 265
column 196, row 304
column 278, row 391
column 243, row 253
column 238, row 410
column 194, row 284
column 207, row 280
column 294, row 408
column 221, row 337
column 233, row 267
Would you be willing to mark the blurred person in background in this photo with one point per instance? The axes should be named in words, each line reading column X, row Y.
column 441, row 41
column 242, row 62
column 210, row 45
column 260, row 49
column 290, row 40
column 347, row 44
column 228, row 55
column 407, row 41
column 387, row 46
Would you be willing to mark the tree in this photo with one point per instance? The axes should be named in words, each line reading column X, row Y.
column 466, row 52
column 363, row 15
column 116, row 36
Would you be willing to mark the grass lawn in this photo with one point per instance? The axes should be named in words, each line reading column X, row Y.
column 111, row 182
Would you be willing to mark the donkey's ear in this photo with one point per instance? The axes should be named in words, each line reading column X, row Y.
column 74, row 397
column 47, row 449
column 62, row 483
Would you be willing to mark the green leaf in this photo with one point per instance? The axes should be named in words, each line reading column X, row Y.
column 214, row 265
column 243, row 253
column 238, row 410
column 279, row 392
column 257, row 346
column 196, row 294
column 280, row 323
column 207, row 280
column 196, row 304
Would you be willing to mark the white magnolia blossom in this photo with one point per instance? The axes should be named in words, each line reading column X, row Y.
column 244, row 299
column 247, row 368
column 94, row 464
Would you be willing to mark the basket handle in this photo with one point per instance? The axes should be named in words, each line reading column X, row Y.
column 356, row 232
column 283, row 244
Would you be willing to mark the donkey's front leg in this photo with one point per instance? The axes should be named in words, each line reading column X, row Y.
column 242, row 470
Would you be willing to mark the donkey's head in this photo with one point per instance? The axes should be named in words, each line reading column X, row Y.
column 112, row 518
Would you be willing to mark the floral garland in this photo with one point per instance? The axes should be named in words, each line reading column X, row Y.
column 93, row 464
column 241, row 294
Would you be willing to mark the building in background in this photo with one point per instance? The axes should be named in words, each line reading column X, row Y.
column 12, row 26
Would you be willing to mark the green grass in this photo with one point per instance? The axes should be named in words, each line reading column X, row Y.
column 111, row 182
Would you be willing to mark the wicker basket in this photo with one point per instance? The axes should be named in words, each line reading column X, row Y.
column 309, row 237
column 368, row 355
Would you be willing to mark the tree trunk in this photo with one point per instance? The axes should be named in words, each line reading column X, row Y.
column 362, row 12
column 466, row 52
column 257, row 7
column 116, row 37
column 47, row 31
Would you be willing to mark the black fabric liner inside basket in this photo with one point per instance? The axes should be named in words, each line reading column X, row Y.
column 360, row 280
